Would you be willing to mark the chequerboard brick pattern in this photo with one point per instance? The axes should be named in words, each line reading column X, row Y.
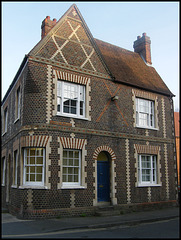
column 166, row 171
column 128, row 171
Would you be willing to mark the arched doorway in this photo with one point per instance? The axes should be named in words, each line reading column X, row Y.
column 103, row 177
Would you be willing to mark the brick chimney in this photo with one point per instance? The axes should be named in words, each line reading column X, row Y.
column 47, row 25
column 142, row 46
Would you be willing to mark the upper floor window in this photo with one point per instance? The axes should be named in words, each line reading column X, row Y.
column 17, row 104
column 5, row 120
column 145, row 113
column 70, row 99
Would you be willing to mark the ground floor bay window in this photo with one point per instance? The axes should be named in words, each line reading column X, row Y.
column 34, row 166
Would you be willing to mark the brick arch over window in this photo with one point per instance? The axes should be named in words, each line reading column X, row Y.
column 104, row 148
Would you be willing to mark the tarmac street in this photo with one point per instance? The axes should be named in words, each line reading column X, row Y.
column 91, row 226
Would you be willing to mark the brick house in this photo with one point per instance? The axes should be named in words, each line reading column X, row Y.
column 86, row 124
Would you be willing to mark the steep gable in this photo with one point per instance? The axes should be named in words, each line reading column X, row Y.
column 70, row 43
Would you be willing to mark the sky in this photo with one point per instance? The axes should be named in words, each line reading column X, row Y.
column 118, row 23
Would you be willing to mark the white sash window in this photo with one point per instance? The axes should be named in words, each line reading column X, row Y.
column 70, row 99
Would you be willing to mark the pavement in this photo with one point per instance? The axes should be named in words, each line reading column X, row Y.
column 12, row 226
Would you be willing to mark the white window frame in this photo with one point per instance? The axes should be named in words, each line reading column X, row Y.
column 15, row 167
column 149, row 114
column 72, row 184
column 153, row 170
column 33, row 183
column 61, row 98
column 3, row 171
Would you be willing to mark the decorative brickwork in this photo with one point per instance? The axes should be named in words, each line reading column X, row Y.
column 128, row 172
column 163, row 118
column 48, row 102
column 166, row 171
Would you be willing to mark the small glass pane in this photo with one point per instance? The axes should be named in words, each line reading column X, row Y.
column 70, row 162
column 70, row 170
column 76, row 162
column 32, row 177
column 69, row 178
column 65, row 162
column 75, row 178
column 32, row 152
column 64, row 153
column 39, row 169
column 76, row 170
column 32, row 160
column 39, row 160
column 32, row 169
column 76, row 154
column 39, row 177
column 27, row 177
column 64, row 178
column 70, row 154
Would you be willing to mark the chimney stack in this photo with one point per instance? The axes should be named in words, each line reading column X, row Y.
column 47, row 25
column 142, row 46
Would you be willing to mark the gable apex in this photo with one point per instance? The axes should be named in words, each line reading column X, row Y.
column 70, row 34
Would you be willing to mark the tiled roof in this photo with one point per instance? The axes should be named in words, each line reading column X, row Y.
column 129, row 68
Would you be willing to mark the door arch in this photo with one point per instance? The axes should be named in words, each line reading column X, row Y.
column 103, row 177
column 112, row 171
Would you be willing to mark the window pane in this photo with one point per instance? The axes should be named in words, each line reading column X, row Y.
column 70, row 162
column 39, row 177
column 69, row 178
column 70, row 154
column 64, row 153
column 64, row 178
column 32, row 160
column 65, row 162
column 76, row 178
column 39, row 169
column 70, row 170
column 32, row 169
column 39, row 160
column 32, row 177
column 32, row 152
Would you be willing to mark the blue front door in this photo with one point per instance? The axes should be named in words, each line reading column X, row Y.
column 103, row 181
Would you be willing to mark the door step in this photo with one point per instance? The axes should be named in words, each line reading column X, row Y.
column 107, row 211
